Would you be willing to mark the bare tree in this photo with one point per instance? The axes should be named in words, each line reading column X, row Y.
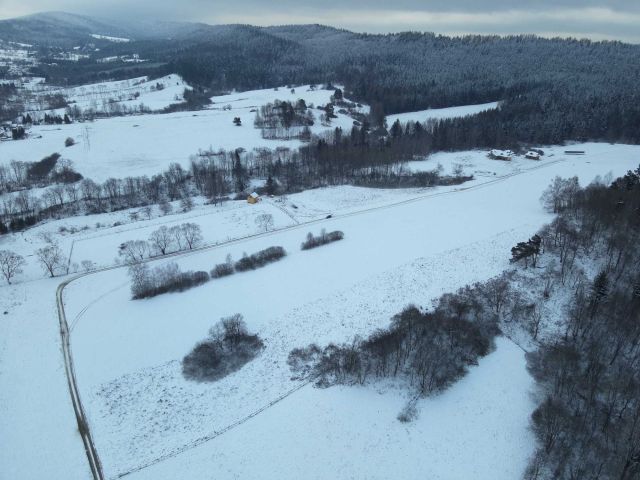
column 186, row 203
column 10, row 264
column 87, row 266
column 162, row 239
column 73, row 191
column 192, row 234
column 90, row 190
column 51, row 258
column 265, row 221
column 141, row 280
column 165, row 207
column 134, row 251
column 176, row 233
column 496, row 292
column 147, row 212
column 58, row 192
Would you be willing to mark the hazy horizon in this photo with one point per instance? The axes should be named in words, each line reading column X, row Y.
column 596, row 20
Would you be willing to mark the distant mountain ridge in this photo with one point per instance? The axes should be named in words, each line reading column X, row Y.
column 56, row 29
column 67, row 30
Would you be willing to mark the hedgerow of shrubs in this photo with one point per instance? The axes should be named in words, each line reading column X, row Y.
column 148, row 283
column 322, row 239
column 229, row 347
column 259, row 259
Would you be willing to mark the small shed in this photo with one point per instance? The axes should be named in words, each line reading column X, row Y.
column 253, row 198
column 531, row 155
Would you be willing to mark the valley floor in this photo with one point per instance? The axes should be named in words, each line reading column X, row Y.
column 127, row 353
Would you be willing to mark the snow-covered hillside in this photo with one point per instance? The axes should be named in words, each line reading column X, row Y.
column 18, row 58
column 147, row 144
column 110, row 39
column 441, row 113
column 134, row 94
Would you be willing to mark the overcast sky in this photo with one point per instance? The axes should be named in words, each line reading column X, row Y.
column 596, row 19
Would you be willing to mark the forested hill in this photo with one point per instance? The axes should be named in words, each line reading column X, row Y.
column 554, row 89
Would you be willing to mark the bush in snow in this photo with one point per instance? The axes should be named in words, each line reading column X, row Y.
column 322, row 239
column 302, row 360
column 223, row 269
column 229, row 347
column 409, row 413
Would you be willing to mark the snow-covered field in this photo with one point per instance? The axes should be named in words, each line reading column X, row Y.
column 110, row 39
column 132, row 93
column 401, row 246
column 18, row 58
column 127, row 352
column 147, row 144
column 351, row 432
column 441, row 113
column 38, row 429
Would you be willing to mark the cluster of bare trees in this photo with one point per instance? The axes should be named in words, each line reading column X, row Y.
column 162, row 241
column 560, row 194
column 588, row 419
column 51, row 259
column 67, row 195
column 430, row 350
column 229, row 347
column 284, row 120
column 51, row 170
column 109, row 107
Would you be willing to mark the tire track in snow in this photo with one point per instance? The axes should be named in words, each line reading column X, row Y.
column 83, row 425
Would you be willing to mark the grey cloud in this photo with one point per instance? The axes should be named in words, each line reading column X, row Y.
column 613, row 19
